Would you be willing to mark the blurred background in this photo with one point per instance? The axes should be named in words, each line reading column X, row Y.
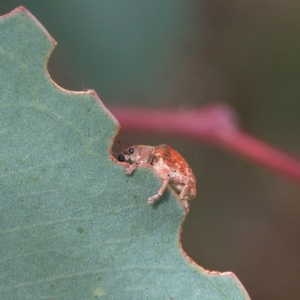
column 183, row 54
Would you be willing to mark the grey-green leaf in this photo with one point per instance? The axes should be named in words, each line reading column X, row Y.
column 72, row 224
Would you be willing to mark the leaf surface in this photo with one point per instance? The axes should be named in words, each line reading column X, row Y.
column 72, row 224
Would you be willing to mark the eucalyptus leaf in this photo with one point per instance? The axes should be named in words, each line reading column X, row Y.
column 72, row 224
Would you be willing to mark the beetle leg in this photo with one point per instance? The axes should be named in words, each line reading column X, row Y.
column 160, row 191
column 130, row 169
column 183, row 192
column 186, row 205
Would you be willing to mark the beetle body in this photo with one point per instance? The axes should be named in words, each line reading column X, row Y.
column 168, row 164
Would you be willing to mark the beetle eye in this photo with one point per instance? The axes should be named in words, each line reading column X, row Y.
column 130, row 150
column 121, row 157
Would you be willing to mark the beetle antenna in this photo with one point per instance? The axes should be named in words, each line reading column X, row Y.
column 119, row 142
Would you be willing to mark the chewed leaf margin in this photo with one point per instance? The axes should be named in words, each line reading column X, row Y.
column 73, row 225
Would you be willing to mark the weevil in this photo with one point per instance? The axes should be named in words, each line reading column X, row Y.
column 168, row 164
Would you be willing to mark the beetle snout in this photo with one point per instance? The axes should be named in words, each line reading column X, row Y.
column 123, row 157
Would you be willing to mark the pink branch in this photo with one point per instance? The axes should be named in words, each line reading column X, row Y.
column 215, row 124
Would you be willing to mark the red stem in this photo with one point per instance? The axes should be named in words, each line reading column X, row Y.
column 215, row 124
